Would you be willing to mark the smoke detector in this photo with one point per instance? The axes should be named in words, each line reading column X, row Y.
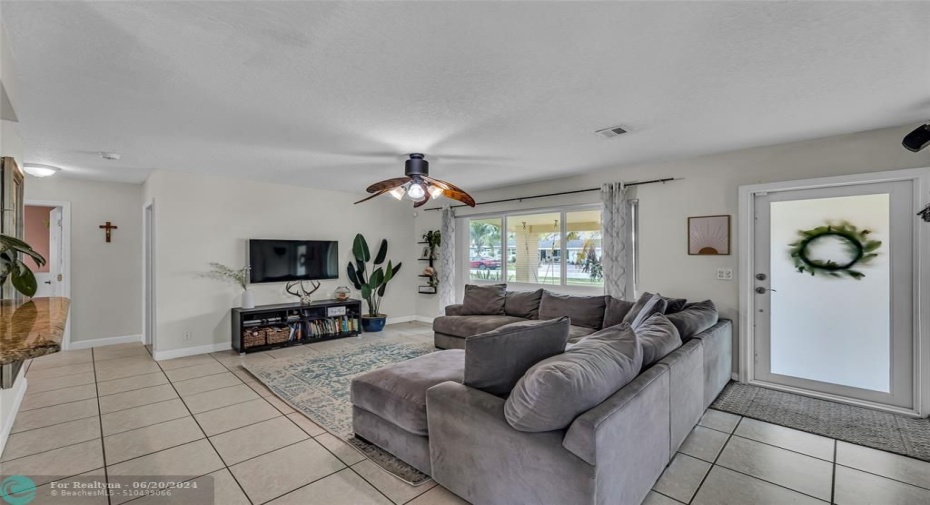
column 109, row 156
column 613, row 131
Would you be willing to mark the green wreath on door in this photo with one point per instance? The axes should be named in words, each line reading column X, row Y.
column 859, row 248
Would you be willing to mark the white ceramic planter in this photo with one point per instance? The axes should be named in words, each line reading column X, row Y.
column 248, row 301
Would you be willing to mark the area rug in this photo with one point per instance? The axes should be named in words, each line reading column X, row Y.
column 861, row 426
column 317, row 384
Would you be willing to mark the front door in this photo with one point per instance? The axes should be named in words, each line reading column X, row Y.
column 834, row 291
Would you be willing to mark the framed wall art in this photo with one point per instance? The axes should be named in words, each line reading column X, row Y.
column 709, row 235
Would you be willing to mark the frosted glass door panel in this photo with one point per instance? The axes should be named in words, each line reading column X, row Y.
column 834, row 330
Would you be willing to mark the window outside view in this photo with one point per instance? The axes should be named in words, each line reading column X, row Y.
column 534, row 248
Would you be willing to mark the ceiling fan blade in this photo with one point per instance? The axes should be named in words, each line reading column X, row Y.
column 436, row 182
column 379, row 193
column 422, row 202
column 388, row 185
column 447, row 185
column 460, row 196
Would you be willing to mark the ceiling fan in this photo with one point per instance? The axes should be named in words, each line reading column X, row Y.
column 418, row 185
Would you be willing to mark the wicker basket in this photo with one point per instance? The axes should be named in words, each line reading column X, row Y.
column 277, row 335
column 253, row 338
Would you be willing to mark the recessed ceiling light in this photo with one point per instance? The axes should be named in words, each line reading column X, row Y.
column 36, row 170
column 109, row 156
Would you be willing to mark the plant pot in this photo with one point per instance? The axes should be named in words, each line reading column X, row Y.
column 248, row 301
column 373, row 324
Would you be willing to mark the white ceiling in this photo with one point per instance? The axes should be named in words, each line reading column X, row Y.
column 310, row 93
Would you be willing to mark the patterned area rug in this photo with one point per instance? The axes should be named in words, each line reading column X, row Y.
column 317, row 384
column 880, row 430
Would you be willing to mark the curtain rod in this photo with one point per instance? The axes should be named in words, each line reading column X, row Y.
column 520, row 199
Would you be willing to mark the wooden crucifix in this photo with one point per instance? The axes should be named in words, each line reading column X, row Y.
column 109, row 227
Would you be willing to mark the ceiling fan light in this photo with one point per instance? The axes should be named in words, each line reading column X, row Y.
column 398, row 192
column 435, row 191
column 416, row 191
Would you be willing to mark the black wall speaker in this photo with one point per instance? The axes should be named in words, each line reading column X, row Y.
column 917, row 139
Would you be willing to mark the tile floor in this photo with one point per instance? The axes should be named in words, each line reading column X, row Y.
column 113, row 411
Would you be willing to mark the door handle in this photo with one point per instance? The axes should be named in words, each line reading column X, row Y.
column 762, row 290
column 48, row 282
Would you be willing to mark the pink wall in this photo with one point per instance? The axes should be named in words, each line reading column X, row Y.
column 36, row 234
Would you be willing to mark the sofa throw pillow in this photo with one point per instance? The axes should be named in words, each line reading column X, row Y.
column 694, row 318
column 585, row 311
column 556, row 390
column 674, row 304
column 484, row 300
column 647, row 305
column 495, row 360
column 615, row 311
column 523, row 304
column 658, row 337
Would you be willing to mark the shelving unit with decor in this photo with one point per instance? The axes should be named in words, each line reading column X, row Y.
column 426, row 290
column 286, row 324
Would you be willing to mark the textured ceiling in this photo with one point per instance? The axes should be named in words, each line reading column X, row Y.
column 333, row 94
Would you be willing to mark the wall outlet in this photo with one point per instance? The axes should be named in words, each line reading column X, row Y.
column 187, row 335
column 724, row 274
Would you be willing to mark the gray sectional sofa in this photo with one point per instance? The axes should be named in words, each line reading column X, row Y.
column 423, row 412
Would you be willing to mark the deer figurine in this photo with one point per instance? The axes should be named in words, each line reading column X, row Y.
column 304, row 295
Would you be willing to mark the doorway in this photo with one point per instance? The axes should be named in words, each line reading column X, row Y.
column 47, row 228
column 830, row 286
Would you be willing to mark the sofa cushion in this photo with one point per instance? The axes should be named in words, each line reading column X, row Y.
column 647, row 305
column 576, row 333
column 466, row 326
column 397, row 392
column 658, row 337
column 694, row 318
column 523, row 304
column 495, row 360
column 586, row 311
column 615, row 311
column 484, row 300
column 556, row 390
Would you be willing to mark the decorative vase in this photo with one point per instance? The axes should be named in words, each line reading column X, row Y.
column 248, row 301
column 373, row 324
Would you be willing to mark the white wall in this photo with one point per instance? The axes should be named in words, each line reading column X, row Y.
column 106, row 278
column 201, row 219
column 709, row 186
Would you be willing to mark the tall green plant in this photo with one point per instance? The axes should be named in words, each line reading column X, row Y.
column 12, row 267
column 371, row 285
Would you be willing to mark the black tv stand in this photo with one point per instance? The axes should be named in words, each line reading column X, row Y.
column 286, row 324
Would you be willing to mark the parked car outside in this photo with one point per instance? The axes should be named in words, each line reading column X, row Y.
column 483, row 263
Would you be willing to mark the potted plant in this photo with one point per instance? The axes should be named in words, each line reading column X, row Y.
column 240, row 277
column 12, row 267
column 371, row 280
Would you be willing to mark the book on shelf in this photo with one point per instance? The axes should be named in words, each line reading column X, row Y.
column 332, row 326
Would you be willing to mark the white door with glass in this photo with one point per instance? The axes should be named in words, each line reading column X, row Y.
column 833, row 292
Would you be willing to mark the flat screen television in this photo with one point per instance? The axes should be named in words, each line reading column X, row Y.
column 292, row 260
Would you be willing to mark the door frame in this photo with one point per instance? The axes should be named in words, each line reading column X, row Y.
column 921, row 256
column 148, row 275
column 66, row 255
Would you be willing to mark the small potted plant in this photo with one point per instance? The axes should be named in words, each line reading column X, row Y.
column 240, row 277
column 12, row 267
column 371, row 280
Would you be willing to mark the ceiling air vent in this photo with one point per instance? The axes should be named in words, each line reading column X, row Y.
column 613, row 131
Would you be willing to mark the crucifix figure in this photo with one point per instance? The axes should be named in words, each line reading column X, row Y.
column 109, row 227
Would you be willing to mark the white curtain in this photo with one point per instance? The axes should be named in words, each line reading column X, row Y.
column 616, row 249
column 446, row 266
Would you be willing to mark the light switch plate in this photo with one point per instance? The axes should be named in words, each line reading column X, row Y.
column 724, row 274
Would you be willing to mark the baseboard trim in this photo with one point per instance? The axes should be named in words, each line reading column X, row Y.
column 19, row 386
column 735, row 376
column 400, row 319
column 191, row 351
column 98, row 342
column 424, row 319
